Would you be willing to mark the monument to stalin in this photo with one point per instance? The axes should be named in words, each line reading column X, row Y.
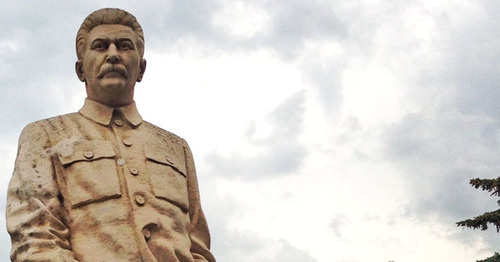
column 102, row 184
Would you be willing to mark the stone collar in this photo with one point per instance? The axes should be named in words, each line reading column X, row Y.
column 103, row 114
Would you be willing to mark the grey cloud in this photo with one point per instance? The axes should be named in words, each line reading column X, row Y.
column 436, row 152
column 326, row 78
column 175, row 20
column 471, row 64
column 297, row 21
column 457, row 138
column 37, row 51
column 292, row 23
column 229, row 243
column 5, row 243
column 465, row 67
column 337, row 222
column 283, row 152
column 437, row 155
column 444, row 147
column 242, row 247
column 289, row 253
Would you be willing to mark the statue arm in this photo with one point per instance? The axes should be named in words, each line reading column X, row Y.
column 199, row 234
column 33, row 208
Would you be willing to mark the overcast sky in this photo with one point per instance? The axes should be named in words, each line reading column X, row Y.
column 321, row 130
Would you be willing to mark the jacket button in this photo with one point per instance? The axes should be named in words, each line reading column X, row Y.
column 120, row 161
column 118, row 122
column 140, row 200
column 134, row 171
column 127, row 142
column 170, row 160
column 147, row 233
column 88, row 154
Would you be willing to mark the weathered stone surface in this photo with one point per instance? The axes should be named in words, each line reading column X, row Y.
column 102, row 184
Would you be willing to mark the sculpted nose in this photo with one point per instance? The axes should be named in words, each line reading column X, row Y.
column 112, row 57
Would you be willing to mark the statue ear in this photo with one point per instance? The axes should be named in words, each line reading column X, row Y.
column 79, row 70
column 142, row 67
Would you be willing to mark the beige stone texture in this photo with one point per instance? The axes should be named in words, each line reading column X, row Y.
column 102, row 184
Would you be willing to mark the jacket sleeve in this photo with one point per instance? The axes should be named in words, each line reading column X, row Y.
column 33, row 208
column 199, row 234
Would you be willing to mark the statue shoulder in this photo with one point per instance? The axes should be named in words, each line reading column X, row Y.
column 47, row 121
column 47, row 125
column 164, row 134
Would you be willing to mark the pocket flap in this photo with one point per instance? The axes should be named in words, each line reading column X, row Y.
column 87, row 150
column 162, row 156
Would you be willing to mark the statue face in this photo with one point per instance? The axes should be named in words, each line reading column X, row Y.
column 111, row 64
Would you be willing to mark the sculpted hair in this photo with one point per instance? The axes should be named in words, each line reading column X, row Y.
column 108, row 16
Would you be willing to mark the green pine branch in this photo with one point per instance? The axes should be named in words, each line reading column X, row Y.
column 487, row 185
column 494, row 258
column 482, row 221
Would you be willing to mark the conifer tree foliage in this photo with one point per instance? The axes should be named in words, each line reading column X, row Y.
column 493, row 217
column 493, row 186
column 494, row 258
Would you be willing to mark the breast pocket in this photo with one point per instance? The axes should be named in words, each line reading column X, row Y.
column 167, row 175
column 90, row 172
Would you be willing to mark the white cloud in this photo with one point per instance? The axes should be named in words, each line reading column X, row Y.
column 381, row 111
column 241, row 19
column 219, row 94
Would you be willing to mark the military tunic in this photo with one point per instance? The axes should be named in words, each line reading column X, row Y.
column 104, row 185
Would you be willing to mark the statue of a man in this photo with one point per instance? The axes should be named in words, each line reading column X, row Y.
column 102, row 184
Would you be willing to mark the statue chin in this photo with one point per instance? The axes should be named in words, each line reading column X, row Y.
column 114, row 82
column 113, row 94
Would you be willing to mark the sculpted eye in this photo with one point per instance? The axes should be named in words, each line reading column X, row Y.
column 126, row 45
column 98, row 45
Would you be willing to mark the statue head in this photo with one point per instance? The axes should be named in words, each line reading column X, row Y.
column 110, row 50
column 110, row 16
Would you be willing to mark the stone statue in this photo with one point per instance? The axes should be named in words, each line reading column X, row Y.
column 102, row 184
